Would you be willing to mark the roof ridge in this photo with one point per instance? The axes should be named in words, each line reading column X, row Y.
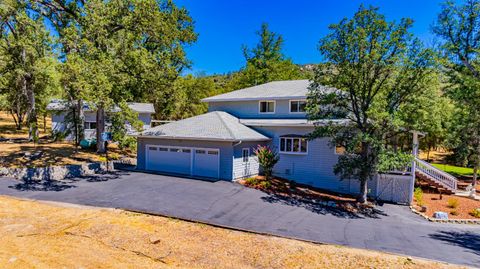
column 225, row 123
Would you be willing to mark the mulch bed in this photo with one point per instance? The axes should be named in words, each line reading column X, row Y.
column 292, row 190
column 434, row 204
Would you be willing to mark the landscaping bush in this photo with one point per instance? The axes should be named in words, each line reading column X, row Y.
column 452, row 203
column 264, row 184
column 475, row 213
column 251, row 181
column 258, row 183
column 267, row 158
column 418, row 195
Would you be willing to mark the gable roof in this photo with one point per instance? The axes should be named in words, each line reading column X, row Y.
column 60, row 105
column 275, row 90
column 215, row 126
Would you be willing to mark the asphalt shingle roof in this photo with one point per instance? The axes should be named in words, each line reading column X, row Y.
column 292, row 122
column 276, row 90
column 59, row 105
column 217, row 125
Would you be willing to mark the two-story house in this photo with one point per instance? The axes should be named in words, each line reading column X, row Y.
column 220, row 143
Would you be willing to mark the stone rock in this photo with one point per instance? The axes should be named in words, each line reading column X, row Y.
column 440, row 215
column 155, row 240
column 331, row 204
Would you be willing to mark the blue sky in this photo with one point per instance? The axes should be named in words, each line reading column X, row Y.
column 224, row 25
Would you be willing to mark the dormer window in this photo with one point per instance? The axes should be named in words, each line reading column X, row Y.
column 298, row 106
column 267, row 106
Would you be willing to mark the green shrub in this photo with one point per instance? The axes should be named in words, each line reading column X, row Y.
column 475, row 213
column 418, row 195
column 267, row 158
column 255, row 182
column 251, row 181
column 452, row 203
column 264, row 184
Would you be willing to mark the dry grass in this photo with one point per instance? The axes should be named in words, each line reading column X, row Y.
column 12, row 154
column 53, row 153
column 40, row 235
column 9, row 130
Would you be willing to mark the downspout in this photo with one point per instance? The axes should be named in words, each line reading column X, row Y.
column 238, row 143
column 233, row 157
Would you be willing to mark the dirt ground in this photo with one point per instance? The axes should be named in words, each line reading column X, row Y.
column 462, row 211
column 45, row 235
column 9, row 130
column 16, row 154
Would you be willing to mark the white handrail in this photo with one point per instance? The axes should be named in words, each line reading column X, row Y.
column 436, row 174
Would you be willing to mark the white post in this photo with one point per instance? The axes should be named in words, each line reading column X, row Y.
column 414, row 165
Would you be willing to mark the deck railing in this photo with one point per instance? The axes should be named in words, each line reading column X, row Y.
column 446, row 180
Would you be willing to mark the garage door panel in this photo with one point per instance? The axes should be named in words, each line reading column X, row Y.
column 206, row 163
column 172, row 160
column 179, row 160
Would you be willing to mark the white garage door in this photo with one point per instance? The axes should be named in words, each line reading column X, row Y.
column 206, row 163
column 202, row 162
column 168, row 159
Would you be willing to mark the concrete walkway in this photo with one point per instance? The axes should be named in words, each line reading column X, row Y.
column 393, row 228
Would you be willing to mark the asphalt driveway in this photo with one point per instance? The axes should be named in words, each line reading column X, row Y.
column 393, row 228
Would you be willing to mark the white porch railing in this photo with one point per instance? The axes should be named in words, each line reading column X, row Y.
column 446, row 180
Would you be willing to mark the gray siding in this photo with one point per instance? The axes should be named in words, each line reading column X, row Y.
column 226, row 152
column 314, row 168
column 250, row 110
column 59, row 125
column 243, row 169
column 146, row 118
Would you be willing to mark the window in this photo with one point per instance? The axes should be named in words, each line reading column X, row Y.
column 90, row 125
column 152, row 148
column 174, row 150
column 199, row 151
column 298, row 106
column 212, row 152
column 294, row 145
column 163, row 149
column 186, row 150
column 267, row 106
column 245, row 154
column 339, row 150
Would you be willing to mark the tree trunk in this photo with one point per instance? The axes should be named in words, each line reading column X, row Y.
column 100, row 129
column 18, row 122
column 475, row 172
column 362, row 196
column 81, row 120
column 28, row 91
column 32, row 116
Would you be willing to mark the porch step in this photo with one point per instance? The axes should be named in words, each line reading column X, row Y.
column 426, row 181
column 435, row 178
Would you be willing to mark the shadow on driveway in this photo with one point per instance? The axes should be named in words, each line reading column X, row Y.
column 55, row 185
column 467, row 240
column 319, row 208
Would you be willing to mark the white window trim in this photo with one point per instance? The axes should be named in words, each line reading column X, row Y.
column 290, row 106
column 89, row 123
column 291, row 152
column 248, row 156
column 260, row 106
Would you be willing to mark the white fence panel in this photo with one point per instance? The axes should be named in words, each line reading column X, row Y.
column 394, row 188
